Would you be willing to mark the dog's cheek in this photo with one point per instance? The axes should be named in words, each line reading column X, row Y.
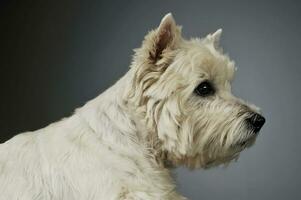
column 167, row 130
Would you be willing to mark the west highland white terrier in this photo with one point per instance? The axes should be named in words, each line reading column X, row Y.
column 173, row 107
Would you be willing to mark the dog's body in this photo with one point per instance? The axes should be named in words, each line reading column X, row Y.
column 173, row 107
column 94, row 154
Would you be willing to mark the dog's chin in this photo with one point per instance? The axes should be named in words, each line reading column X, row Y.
column 246, row 142
column 232, row 153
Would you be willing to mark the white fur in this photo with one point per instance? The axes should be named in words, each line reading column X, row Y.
column 121, row 144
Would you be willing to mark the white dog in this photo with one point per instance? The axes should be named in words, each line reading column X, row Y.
column 173, row 107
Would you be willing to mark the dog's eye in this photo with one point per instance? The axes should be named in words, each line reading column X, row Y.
column 205, row 89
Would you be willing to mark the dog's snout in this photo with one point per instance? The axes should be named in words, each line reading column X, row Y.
column 256, row 121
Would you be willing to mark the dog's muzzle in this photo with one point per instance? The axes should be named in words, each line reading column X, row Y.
column 255, row 122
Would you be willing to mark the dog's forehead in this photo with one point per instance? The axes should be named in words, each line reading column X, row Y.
column 206, row 60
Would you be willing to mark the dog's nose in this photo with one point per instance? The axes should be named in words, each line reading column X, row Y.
column 256, row 121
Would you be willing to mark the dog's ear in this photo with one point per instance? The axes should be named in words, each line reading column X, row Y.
column 164, row 38
column 214, row 38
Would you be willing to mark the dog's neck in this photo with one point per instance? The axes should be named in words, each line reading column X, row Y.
column 114, row 119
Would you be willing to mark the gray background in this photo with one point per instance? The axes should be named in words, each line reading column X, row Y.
column 57, row 55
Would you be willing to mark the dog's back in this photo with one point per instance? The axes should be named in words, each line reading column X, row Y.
column 61, row 161
column 19, row 163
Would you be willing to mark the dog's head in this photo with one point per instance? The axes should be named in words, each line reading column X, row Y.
column 182, row 91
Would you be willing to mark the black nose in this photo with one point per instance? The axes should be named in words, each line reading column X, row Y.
column 255, row 122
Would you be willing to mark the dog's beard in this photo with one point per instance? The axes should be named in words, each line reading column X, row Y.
column 246, row 137
column 213, row 153
column 220, row 133
column 234, row 137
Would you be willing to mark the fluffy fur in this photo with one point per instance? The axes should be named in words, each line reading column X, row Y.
column 121, row 144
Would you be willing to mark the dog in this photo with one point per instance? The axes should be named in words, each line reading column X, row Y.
column 173, row 107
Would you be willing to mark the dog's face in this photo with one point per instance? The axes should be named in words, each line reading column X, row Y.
column 183, row 90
